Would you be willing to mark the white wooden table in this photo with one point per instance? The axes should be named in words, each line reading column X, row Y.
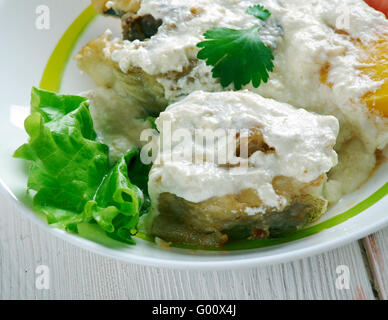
column 79, row 274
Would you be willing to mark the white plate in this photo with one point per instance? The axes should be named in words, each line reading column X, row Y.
column 25, row 53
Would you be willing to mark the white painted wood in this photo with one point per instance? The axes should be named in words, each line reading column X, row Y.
column 79, row 274
column 377, row 250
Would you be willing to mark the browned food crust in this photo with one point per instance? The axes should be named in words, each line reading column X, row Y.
column 119, row 5
column 95, row 60
column 213, row 222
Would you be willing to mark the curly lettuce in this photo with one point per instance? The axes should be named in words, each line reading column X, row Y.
column 70, row 172
column 121, row 198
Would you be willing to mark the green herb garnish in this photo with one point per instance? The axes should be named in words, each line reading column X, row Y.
column 259, row 12
column 238, row 56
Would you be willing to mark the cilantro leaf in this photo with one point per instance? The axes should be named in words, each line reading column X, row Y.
column 259, row 12
column 238, row 56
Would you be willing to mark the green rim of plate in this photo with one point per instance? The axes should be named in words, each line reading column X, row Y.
column 52, row 79
column 56, row 65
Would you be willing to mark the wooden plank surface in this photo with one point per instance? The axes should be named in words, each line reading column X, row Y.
column 377, row 251
column 79, row 274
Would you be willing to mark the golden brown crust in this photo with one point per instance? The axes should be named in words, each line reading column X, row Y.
column 99, row 5
column 212, row 222
column 95, row 59
column 118, row 5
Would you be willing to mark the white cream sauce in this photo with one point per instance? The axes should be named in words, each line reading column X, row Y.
column 304, row 38
column 303, row 142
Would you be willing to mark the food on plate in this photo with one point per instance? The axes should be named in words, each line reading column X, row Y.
column 321, row 64
column 70, row 173
column 118, row 119
column 116, row 8
column 294, row 95
column 202, row 198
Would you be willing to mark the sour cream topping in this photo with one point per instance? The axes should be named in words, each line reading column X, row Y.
column 303, row 144
column 307, row 38
column 184, row 23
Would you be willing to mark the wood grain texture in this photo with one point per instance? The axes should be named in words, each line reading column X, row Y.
column 79, row 274
column 376, row 247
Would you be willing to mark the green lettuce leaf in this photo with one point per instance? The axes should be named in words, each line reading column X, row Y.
column 67, row 164
column 70, row 170
column 121, row 198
